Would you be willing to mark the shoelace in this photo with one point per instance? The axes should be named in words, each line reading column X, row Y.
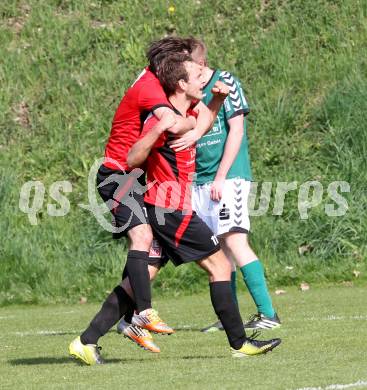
column 258, row 343
column 255, row 334
column 254, row 317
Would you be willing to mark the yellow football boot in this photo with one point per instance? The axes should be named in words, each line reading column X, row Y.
column 253, row 347
column 89, row 353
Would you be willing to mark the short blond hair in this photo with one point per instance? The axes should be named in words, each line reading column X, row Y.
column 199, row 46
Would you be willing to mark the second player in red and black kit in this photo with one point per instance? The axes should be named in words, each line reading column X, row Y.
column 144, row 96
column 168, row 201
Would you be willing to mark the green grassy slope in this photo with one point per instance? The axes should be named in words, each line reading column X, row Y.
column 64, row 67
column 316, row 351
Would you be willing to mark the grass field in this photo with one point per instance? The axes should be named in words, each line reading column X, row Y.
column 65, row 65
column 324, row 332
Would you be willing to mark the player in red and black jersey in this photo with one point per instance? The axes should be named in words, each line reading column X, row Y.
column 115, row 183
column 183, row 235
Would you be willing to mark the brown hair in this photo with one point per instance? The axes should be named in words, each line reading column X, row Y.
column 171, row 71
column 160, row 49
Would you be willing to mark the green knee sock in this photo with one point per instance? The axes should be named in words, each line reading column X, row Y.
column 253, row 276
column 234, row 286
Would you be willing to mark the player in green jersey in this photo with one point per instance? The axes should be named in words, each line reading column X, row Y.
column 222, row 187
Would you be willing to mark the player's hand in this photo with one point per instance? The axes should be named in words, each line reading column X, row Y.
column 184, row 141
column 220, row 90
column 167, row 121
column 216, row 190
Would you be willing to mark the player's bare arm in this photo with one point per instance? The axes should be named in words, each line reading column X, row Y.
column 182, row 125
column 205, row 120
column 141, row 149
column 231, row 150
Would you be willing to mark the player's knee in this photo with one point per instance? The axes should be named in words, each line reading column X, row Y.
column 222, row 271
column 223, row 261
column 220, row 275
column 219, row 267
column 141, row 237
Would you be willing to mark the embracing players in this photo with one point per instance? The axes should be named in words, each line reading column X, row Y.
column 118, row 186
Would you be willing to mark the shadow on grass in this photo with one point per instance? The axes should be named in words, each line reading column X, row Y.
column 203, row 357
column 50, row 360
column 187, row 329
column 54, row 360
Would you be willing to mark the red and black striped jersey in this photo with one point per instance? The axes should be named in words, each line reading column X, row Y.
column 169, row 173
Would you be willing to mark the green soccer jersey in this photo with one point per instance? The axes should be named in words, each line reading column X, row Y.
column 210, row 147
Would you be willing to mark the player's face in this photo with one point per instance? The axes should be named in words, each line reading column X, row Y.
column 195, row 83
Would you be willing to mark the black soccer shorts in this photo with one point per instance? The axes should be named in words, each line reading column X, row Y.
column 185, row 238
column 124, row 197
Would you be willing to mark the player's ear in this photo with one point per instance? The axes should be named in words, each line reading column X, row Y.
column 182, row 84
